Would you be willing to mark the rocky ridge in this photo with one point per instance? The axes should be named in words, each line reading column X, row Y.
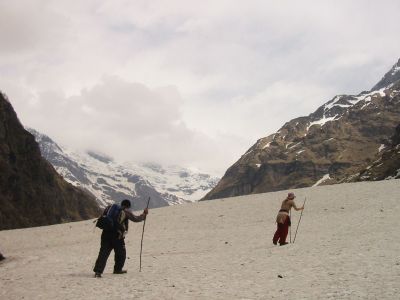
column 328, row 146
column 32, row 193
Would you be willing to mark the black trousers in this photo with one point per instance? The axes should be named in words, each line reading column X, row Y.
column 109, row 242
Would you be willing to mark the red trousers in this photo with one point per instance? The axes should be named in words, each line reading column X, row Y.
column 281, row 232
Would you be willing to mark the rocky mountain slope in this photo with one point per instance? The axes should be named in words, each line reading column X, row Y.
column 326, row 147
column 32, row 193
column 110, row 181
column 386, row 165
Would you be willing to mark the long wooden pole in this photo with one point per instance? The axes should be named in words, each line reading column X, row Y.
column 290, row 229
column 299, row 219
column 141, row 242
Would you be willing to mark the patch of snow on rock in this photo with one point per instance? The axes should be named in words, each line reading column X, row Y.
column 301, row 151
column 324, row 178
column 396, row 176
column 267, row 145
column 332, row 103
column 322, row 121
column 295, row 145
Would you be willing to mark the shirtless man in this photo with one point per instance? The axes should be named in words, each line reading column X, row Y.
column 283, row 220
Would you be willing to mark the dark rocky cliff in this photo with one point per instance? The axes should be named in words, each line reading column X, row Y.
column 31, row 191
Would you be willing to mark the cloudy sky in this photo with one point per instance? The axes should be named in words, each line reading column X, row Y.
column 193, row 83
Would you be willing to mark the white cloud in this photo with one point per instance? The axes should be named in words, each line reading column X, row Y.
column 232, row 72
column 128, row 121
column 256, row 115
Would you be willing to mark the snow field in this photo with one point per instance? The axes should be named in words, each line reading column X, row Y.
column 347, row 247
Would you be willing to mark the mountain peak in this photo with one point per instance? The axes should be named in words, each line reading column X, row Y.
column 390, row 77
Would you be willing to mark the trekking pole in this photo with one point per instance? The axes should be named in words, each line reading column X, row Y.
column 290, row 229
column 299, row 219
column 141, row 242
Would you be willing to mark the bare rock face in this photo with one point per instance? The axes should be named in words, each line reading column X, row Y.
column 386, row 164
column 328, row 146
column 31, row 192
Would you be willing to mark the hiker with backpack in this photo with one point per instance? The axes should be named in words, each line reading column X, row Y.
column 283, row 220
column 114, row 222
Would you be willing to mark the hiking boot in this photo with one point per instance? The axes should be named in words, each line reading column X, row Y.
column 120, row 271
column 97, row 275
column 283, row 244
column 275, row 243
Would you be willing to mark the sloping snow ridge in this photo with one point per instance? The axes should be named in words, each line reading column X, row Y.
column 110, row 181
column 176, row 184
column 183, row 183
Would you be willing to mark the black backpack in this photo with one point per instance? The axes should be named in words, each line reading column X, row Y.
column 109, row 220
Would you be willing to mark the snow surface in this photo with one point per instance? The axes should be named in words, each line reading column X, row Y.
column 381, row 147
column 347, row 247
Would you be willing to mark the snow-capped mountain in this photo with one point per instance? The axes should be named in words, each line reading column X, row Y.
column 341, row 137
column 111, row 182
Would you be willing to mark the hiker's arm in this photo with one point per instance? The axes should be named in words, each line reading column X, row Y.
column 134, row 218
column 297, row 208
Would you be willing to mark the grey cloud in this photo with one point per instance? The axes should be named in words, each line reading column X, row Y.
column 25, row 26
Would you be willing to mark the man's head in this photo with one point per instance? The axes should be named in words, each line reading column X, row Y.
column 291, row 196
column 126, row 203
